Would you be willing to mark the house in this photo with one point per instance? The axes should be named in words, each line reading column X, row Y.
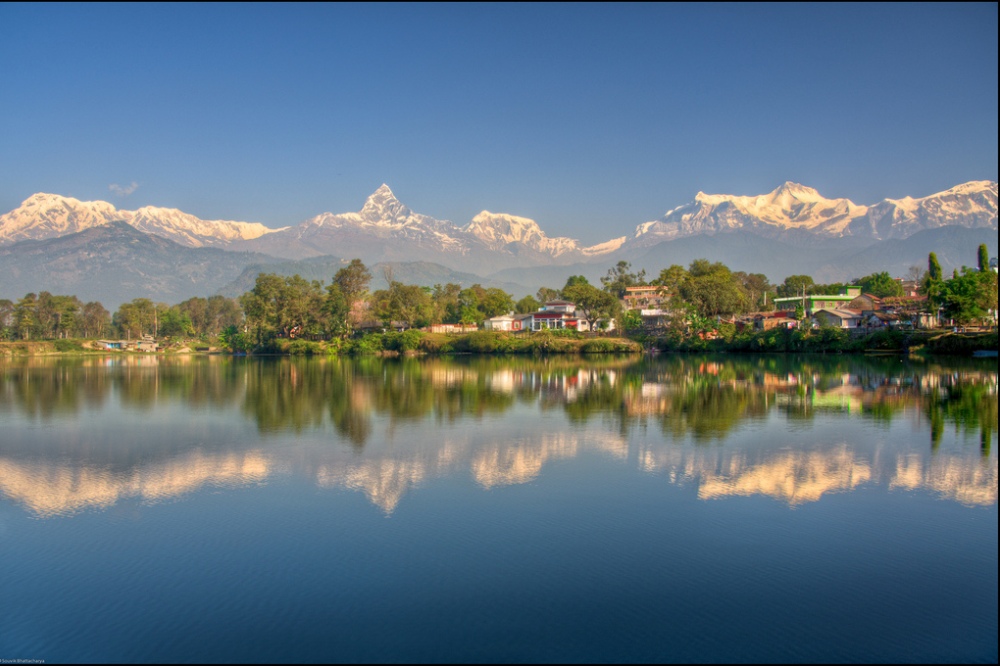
column 648, row 297
column 565, row 307
column 778, row 319
column 887, row 320
column 452, row 328
column 146, row 343
column 501, row 323
column 814, row 302
column 867, row 303
column 543, row 320
column 839, row 318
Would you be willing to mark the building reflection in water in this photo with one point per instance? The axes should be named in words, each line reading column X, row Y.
column 387, row 427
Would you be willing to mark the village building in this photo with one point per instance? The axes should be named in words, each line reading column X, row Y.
column 839, row 318
column 811, row 303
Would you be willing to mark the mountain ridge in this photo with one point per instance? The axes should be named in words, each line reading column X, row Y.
column 789, row 210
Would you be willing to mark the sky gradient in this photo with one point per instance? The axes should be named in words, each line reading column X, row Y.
column 587, row 118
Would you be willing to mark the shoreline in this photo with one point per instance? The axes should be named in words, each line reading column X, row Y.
column 486, row 343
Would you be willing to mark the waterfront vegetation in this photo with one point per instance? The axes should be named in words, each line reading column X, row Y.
column 291, row 315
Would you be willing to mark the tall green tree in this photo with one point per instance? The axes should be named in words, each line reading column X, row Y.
column 25, row 318
column 527, row 305
column 596, row 304
column 95, row 320
column 547, row 294
column 6, row 319
column 795, row 285
column 933, row 286
column 984, row 258
column 934, row 267
column 353, row 282
column 711, row 289
column 756, row 286
column 881, row 285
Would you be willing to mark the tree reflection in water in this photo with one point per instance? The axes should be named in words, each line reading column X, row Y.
column 607, row 404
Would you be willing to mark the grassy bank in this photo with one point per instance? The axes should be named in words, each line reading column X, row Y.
column 821, row 340
column 479, row 342
column 833, row 340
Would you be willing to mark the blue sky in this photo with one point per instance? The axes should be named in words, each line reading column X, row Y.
column 588, row 118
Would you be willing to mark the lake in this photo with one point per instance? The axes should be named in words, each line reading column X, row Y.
column 681, row 508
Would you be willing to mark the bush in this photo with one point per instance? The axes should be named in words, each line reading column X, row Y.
column 304, row 348
column 68, row 345
column 369, row 343
column 484, row 342
column 885, row 340
column 401, row 342
column 598, row 347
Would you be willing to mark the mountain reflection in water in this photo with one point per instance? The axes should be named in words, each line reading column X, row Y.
column 88, row 433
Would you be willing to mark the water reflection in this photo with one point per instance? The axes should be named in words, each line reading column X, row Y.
column 87, row 433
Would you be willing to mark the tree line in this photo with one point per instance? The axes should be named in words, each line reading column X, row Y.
column 293, row 307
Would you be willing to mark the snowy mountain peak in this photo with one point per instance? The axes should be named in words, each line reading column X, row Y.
column 498, row 230
column 796, row 207
column 382, row 206
column 789, row 190
column 44, row 216
column 493, row 227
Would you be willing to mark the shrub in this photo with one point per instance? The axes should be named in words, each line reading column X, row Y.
column 303, row 348
column 885, row 340
column 68, row 345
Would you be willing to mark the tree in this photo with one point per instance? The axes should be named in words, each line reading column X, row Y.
column 546, row 294
column 6, row 319
column 496, row 302
column 175, row 323
column 95, row 320
column 621, row 277
column 961, row 298
column 408, row 305
column 353, row 282
column 984, row 258
column 795, row 285
column 446, row 303
column 933, row 267
column 933, row 285
column 595, row 303
column 755, row 286
column 526, row 305
column 338, row 310
column 712, row 290
column 881, row 285
column 25, row 323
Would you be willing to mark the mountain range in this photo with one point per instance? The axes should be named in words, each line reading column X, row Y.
column 65, row 245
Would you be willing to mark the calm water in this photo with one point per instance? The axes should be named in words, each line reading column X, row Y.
column 680, row 509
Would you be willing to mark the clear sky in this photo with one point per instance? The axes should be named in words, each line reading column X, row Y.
column 588, row 118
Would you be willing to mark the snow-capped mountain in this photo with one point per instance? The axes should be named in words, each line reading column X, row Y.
column 382, row 216
column 795, row 208
column 972, row 205
column 387, row 230
column 498, row 230
column 43, row 216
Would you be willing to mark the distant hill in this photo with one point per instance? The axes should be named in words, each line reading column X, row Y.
column 114, row 263
column 421, row 273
